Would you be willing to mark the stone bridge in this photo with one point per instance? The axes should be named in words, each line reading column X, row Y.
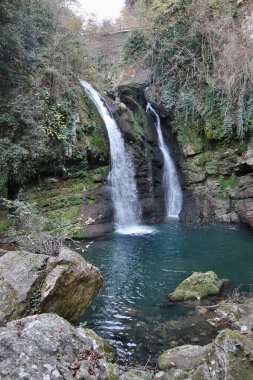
column 108, row 48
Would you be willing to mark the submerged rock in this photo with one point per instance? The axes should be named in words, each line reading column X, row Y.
column 197, row 286
column 47, row 347
column 33, row 283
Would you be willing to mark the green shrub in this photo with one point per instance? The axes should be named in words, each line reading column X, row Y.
column 230, row 182
column 135, row 46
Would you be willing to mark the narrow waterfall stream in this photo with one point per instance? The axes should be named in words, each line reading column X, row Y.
column 172, row 189
column 121, row 179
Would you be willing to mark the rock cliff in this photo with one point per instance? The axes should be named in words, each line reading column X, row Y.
column 218, row 183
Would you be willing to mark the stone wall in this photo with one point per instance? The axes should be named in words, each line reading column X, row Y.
column 108, row 48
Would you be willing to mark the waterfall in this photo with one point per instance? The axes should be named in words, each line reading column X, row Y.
column 121, row 179
column 171, row 184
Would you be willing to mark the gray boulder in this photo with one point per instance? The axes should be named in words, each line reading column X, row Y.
column 184, row 357
column 229, row 357
column 34, row 283
column 46, row 347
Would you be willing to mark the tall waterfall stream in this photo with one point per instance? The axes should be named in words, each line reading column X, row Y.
column 172, row 189
column 121, row 179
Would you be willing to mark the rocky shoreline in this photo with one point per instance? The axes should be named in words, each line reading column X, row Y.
column 37, row 342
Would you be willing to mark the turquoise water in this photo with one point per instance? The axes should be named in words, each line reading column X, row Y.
column 139, row 271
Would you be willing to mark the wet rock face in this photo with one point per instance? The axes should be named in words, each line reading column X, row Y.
column 197, row 286
column 33, row 283
column 47, row 347
column 140, row 136
column 218, row 184
column 97, row 211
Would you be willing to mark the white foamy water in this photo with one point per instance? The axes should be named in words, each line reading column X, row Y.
column 121, row 179
column 172, row 188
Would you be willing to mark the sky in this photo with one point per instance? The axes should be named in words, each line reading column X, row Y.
column 103, row 9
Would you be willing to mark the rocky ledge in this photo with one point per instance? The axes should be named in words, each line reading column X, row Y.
column 35, row 283
column 230, row 356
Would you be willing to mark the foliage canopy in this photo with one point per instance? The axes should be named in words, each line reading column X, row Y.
column 42, row 54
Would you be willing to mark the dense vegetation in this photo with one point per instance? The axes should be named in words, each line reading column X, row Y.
column 42, row 54
column 201, row 58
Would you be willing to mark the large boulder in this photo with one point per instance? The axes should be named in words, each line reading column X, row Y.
column 46, row 347
column 34, row 283
column 184, row 357
column 197, row 286
column 229, row 357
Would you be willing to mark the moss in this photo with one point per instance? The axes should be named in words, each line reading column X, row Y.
column 190, row 132
column 212, row 168
column 98, row 174
column 91, row 198
column 203, row 158
column 138, row 374
column 133, row 97
column 139, row 133
column 105, row 347
column 5, row 223
column 60, row 200
column 230, row 182
column 198, row 285
column 213, row 127
column 112, row 372
column 91, row 131
column 11, row 298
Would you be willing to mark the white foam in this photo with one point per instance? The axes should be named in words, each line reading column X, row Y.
column 136, row 230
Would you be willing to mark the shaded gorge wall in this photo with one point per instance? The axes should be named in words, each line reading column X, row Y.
column 72, row 187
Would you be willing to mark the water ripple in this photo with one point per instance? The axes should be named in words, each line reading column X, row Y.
column 139, row 271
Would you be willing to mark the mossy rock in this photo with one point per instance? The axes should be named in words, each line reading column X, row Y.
column 136, row 374
column 60, row 200
column 106, row 348
column 198, row 285
column 91, row 131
